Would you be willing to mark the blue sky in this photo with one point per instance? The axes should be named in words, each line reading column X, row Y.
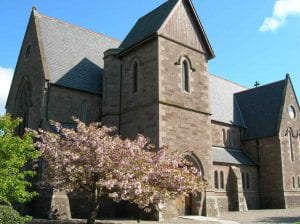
column 253, row 40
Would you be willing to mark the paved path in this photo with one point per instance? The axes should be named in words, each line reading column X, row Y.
column 264, row 216
column 252, row 216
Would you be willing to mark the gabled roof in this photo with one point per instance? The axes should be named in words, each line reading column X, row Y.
column 73, row 55
column 231, row 156
column 224, row 107
column 150, row 24
column 261, row 109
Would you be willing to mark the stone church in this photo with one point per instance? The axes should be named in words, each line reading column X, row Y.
column 245, row 142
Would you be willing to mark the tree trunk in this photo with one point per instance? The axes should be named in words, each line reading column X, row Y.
column 96, row 204
column 93, row 214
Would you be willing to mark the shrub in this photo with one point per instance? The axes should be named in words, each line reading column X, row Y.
column 10, row 216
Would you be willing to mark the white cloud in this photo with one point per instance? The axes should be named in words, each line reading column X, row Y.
column 281, row 10
column 6, row 75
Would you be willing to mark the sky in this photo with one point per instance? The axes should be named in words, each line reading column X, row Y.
column 253, row 40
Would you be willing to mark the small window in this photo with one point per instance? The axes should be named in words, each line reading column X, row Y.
column 292, row 112
column 28, row 51
column 294, row 185
column 216, row 180
column 243, row 180
column 248, row 181
column 290, row 136
column 224, row 137
column 185, row 76
column 298, row 182
column 83, row 112
column 135, row 77
column 222, row 179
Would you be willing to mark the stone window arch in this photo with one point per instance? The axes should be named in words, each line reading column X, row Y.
column 294, row 184
column 83, row 110
column 135, row 76
column 23, row 103
column 224, row 136
column 290, row 137
column 248, row 181
column 222, row 180
column 243, row 180
column 216, row 179
column 185, row 76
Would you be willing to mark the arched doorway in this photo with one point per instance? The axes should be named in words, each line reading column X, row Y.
column 194, row 204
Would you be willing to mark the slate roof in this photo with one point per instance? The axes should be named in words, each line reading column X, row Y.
column 261, row 109
column 148, row 24
column 224, row 107
column 231, row 156
column 73, row 55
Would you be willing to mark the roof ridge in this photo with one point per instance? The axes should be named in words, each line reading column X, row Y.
column 76, row 26
column 166, row 2
column 259, row 87
column 227, row 80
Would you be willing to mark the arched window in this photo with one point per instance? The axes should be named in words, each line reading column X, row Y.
column 298, row 182
column 222, row 179
column 83, row 111
column 290, row 136
column 248, row 181
column 224, row 136
column 229, row 142
column 216, row 180
column 294, row 185
column 243, row 180
column 185, row 76
column 22, row 105
column 135, row 72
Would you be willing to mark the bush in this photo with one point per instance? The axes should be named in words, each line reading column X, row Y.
column 10, row 216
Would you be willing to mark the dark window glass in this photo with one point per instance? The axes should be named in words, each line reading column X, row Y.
column 135, row 77
column 216, row 180
column 185, row 77
column 222, row 179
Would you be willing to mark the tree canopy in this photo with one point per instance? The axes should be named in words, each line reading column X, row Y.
column 89, row 157
column 15, row 152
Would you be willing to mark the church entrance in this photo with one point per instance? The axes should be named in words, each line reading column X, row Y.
column 194, row 204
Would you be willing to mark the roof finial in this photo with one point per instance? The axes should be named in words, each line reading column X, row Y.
column 256, row 84
column 34, row 8
column 287, row 76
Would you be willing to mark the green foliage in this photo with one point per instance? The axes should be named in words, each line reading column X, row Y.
column 15, row 153
column 10, row 216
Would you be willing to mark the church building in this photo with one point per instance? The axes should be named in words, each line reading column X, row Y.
column 245, row 142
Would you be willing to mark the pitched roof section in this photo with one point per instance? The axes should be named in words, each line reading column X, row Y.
column 231, row 156
column 148, row 24
column 261, row 109
column 224, row 107
column 151, row 23
column 73, row 55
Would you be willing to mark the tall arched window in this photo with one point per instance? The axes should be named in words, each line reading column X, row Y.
column 135, row 72
column 83, row 111
column 224, row 137
column 23, row 103
column 243, row 180
column 298, row 182
column 185, row 76
column 222, row 179
column 290, row 135
column 216, row 180
column 248, row 181
column 294, row 185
